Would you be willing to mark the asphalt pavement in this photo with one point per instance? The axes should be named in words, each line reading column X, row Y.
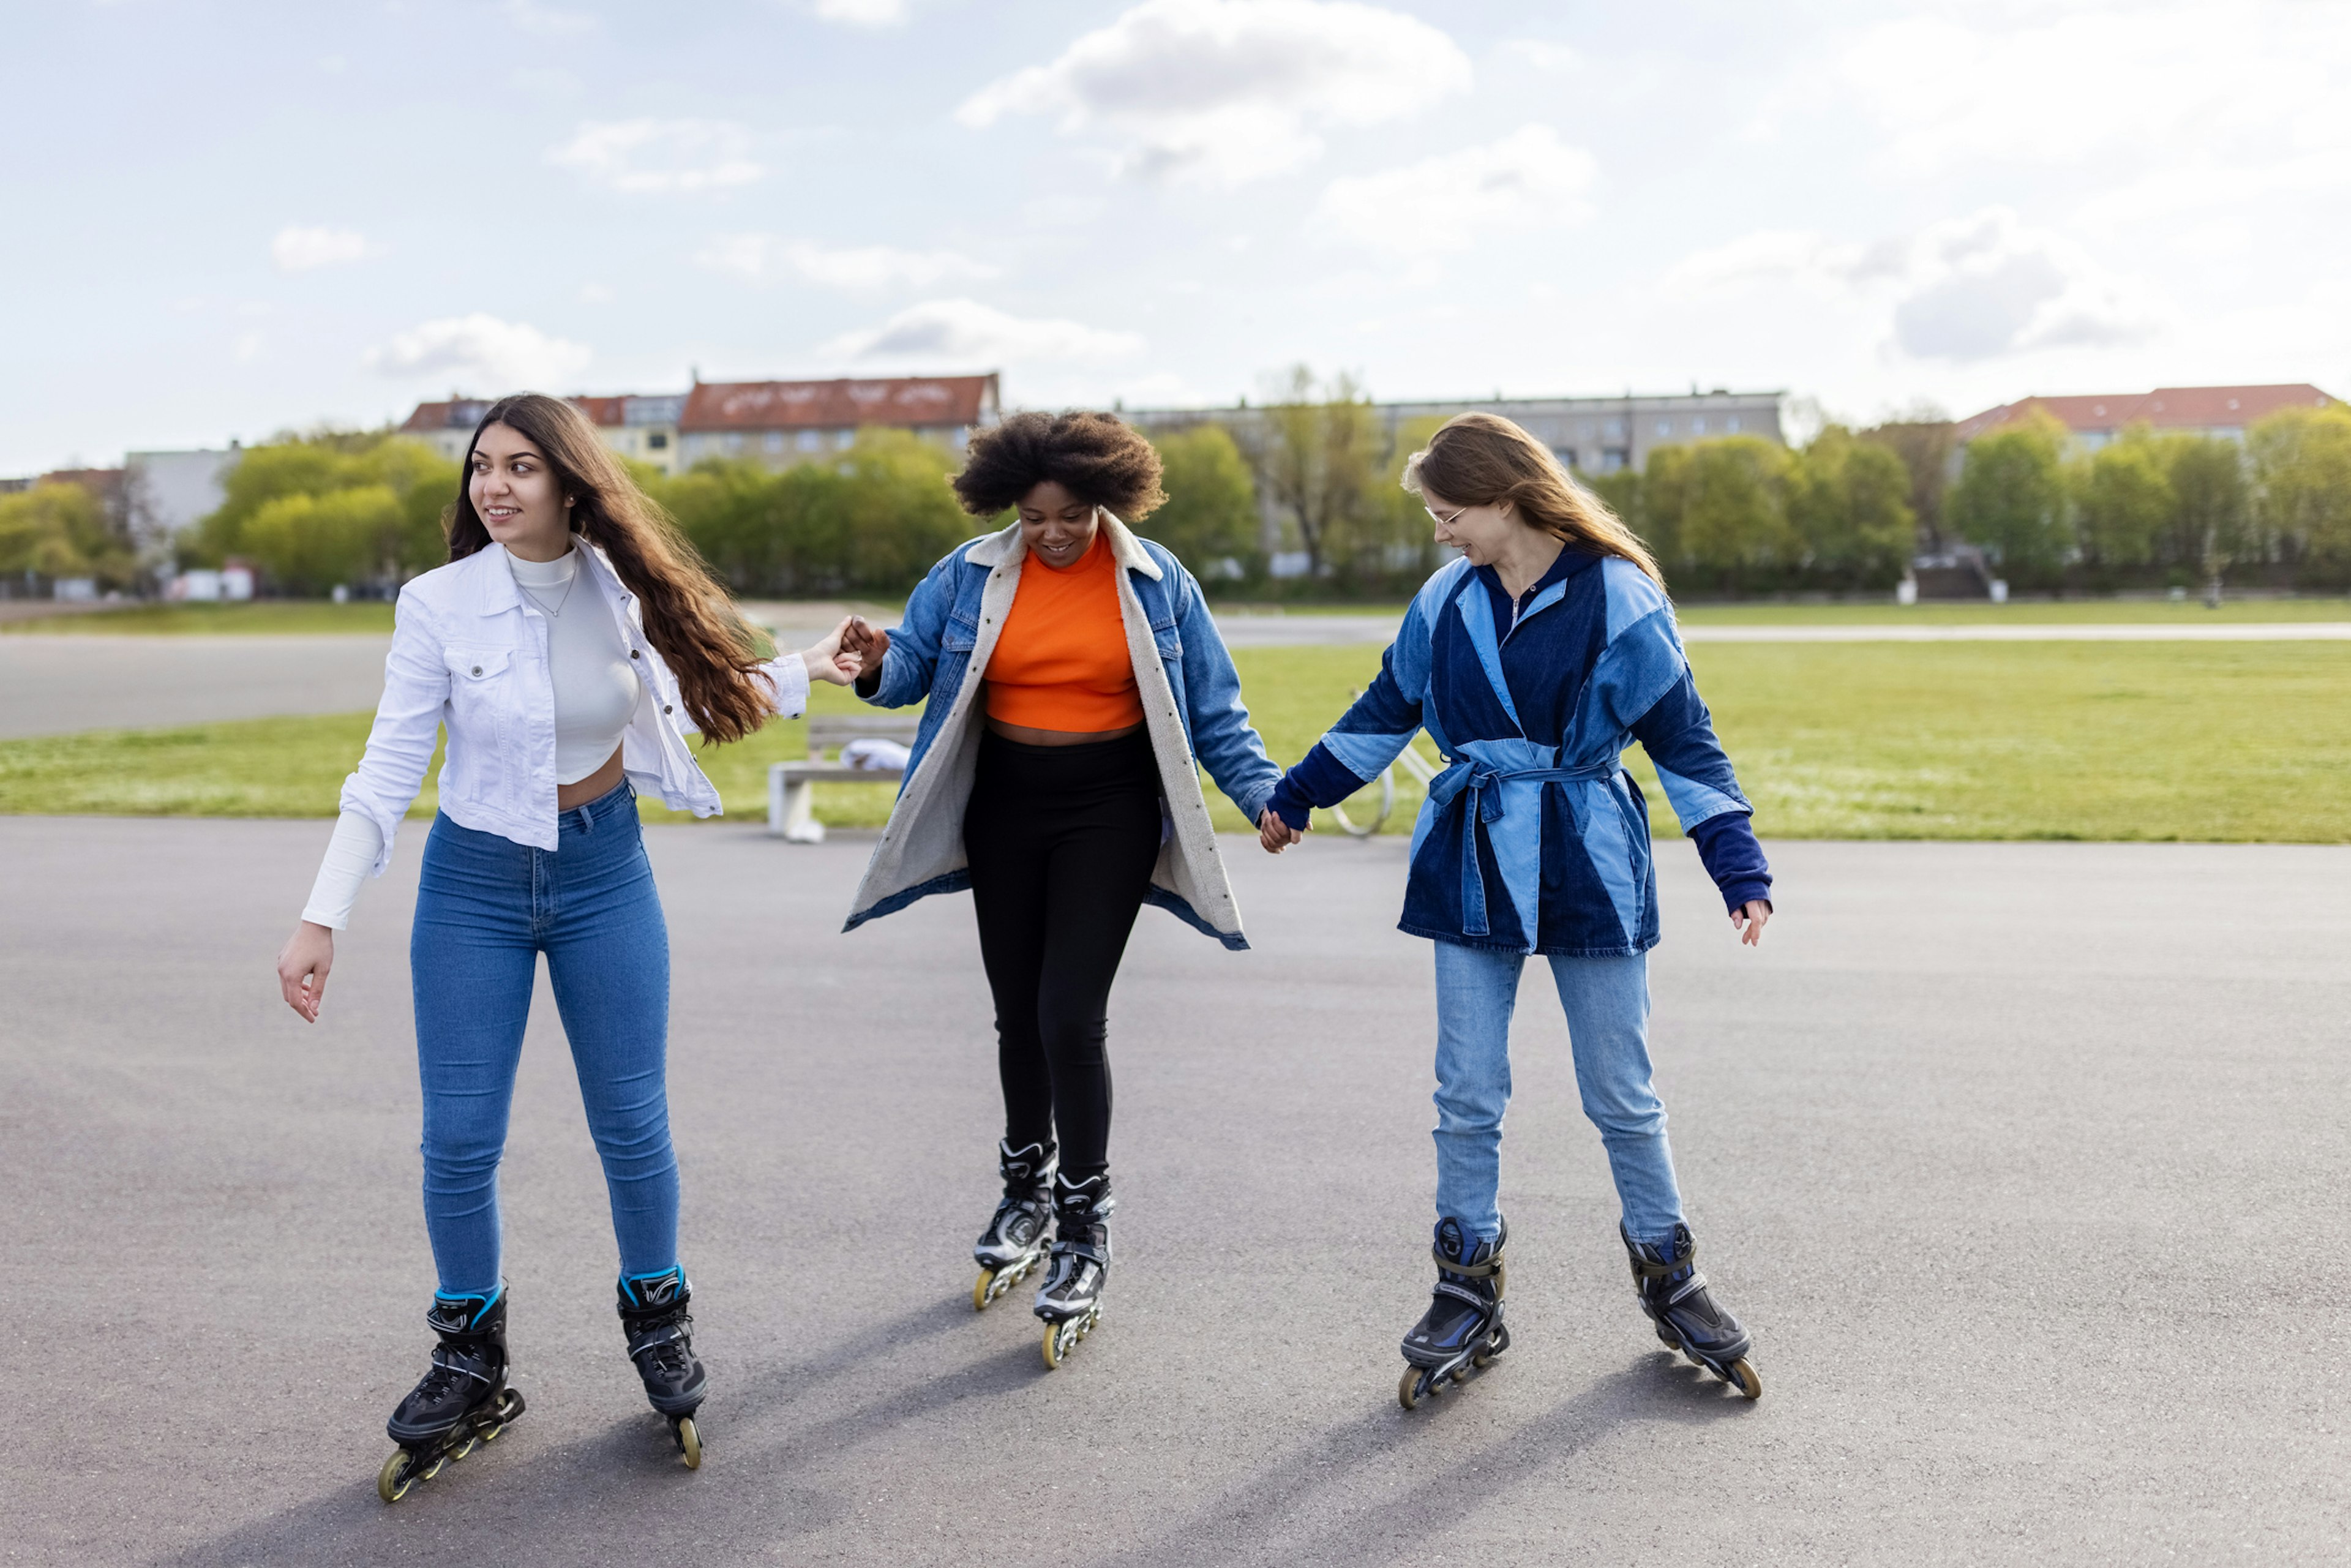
column 2024, row 1162
column 53, row 684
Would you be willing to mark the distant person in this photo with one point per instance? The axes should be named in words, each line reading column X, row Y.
column 1073, row 676
column 1532, row 662
column 569, row 645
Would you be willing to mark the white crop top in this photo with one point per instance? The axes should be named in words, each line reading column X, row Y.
column 596, row 688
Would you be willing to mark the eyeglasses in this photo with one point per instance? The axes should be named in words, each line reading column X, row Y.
column 1441, row 520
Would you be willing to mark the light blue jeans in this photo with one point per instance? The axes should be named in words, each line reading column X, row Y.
column 485, row 909
column 1607, row 1006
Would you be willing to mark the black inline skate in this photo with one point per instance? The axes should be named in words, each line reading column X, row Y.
column 1463, row 1330
column 463, row 1401
column 661, row 1341
column 1673, row 1293
column 1013, row 1242
column 1070, row 1301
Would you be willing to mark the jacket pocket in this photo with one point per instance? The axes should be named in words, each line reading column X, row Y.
column 960, row 637
column 481, row 716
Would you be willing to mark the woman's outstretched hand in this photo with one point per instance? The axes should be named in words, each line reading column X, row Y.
column 867, row 641
column 833, row 659
column 1275, row 834
column 1751, row 920
column 302, row 966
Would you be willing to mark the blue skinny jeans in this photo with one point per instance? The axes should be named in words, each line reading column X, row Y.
column 1607, row 1005
column 485, row 909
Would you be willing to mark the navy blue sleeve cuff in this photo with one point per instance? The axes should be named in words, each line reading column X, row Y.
column 1726, row 845
column 1318, row 780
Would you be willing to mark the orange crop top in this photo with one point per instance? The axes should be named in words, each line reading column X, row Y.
column 1061, row 662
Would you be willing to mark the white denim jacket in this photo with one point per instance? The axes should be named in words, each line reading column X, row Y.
column 468, row 651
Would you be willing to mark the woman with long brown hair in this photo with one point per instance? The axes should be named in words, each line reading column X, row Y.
column 569, row 646
column 1534, row 661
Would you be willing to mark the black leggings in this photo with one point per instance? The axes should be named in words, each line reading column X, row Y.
column 1061, row 839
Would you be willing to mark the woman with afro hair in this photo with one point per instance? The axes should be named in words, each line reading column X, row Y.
column 1074, row 679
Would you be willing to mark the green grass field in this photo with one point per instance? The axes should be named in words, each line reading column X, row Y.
column 2226, row 742
column 313, row 616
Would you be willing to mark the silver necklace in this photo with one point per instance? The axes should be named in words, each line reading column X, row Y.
column 557, row 612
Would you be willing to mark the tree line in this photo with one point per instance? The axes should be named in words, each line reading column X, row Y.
column 1313, row 470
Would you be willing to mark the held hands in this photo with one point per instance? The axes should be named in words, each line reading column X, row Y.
column 1277, row 835
column 834, row 659
column 867, row 641
column 1751, row 920
column 302, row 966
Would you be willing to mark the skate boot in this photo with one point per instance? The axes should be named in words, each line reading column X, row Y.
column 1070, row 1301
column 1673, row 1293
column 1463, row 1330
column 1013, row 1242
column 462, row 1400
column 661, row 1341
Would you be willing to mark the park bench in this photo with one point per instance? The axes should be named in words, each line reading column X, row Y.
column 791, row 786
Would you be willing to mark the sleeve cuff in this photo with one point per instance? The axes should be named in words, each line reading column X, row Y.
column 790, row 676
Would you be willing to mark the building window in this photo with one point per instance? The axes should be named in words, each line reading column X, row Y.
column 773, row 442
column 844, row 439
column 1665, row 428
column 658, row 441
column 810, row 440
column 1566, row 454
column 1731, row 424
column 1697, row 425
column 734, row 441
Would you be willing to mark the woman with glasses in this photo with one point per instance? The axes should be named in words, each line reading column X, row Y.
column 1532, row 662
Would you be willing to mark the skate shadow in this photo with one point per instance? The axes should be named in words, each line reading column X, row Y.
column 558, row 1502
column 1283, row 1512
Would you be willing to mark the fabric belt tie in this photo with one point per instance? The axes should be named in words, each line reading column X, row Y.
column 1481, row 781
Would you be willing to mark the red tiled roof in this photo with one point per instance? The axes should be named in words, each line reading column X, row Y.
column 2173, row 408
column 464, row 413
column 838, row 404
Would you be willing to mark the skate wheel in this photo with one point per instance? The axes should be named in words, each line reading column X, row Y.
column 984, row 1292
column 1062, row 1337
column 399, row 1474
column 1743, row 1375
column 459, row 1451
column 1409, row 1390
column 689, row 1441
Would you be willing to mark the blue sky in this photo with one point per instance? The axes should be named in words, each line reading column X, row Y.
column 229, row 219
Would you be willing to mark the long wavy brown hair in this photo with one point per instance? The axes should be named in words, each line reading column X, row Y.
column 1484, row 460
column 688, row 617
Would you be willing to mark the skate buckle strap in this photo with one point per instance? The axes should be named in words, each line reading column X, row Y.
column 1647, row 1269
column 1466, row 1270
column 1447, row 1288
column 1696, row 1282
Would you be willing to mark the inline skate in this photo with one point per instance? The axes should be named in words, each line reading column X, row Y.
column 463, row 1399
column 1463, row 1329
column 1070, row 1301
column 1673, row 1293
column 661, row 1341
column 1015, row 1242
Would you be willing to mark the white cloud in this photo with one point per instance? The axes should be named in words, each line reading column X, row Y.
column 638, row 155
column 2088, row 84
column 1966, row 290
column 549, row 21
column 1229, row 90
column 1530, row 179
column 858, row 268
column 862, row 13
column 300, row 250
column 506, row 355
column 1543, row 55
column 965, row 331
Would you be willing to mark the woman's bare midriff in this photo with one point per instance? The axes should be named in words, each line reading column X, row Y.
column 1024, row 735
column 601, row 782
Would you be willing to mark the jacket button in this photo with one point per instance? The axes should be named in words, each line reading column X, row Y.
column 634, row 654
column 478, row 669
column 664, row 708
